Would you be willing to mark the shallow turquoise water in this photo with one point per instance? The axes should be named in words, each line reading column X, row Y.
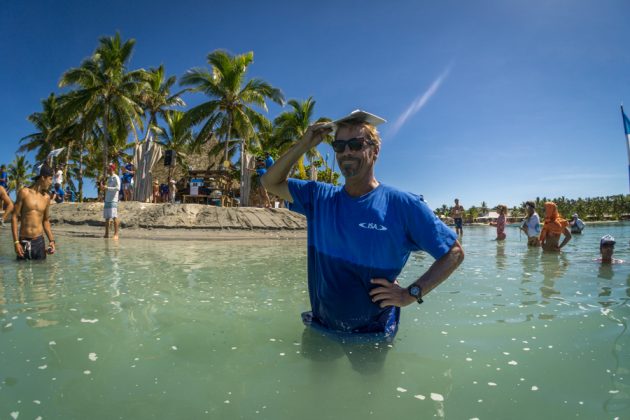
column 188, row 330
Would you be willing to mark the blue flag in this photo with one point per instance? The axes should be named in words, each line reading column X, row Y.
column 626, row 128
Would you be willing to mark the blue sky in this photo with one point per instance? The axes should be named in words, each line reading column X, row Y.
column 496, row 101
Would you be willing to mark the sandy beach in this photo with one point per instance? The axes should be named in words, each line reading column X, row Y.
column 180, row 221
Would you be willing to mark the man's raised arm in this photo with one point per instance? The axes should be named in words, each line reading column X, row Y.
column 275, row 180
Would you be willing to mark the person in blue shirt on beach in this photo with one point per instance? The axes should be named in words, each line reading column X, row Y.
column 4, row 183
column 70, row 196
column 58, row 194
column 127, row 181
column 360, row 235
column 268, row 160
column 4, row 177
column 261, row 169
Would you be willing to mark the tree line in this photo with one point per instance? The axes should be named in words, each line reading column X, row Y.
column 106, row 109
column 614, row 207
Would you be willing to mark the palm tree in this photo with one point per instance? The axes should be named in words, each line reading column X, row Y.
column 104, row 87
column 20, row 171
column 484, row 208
column 473, row 213
column 156, row 98
column 230, row 108
column 291, row 125
column 444, row 210
column 49, row 126
column 177, row 136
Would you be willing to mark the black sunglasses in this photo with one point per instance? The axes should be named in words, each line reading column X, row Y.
column 355, row 144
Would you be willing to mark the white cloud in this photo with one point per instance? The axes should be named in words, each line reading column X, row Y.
column 418, row 103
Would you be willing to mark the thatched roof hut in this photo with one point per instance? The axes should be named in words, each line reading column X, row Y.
column 200, row 161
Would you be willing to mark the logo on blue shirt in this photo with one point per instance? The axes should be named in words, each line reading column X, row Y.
column 372, row 226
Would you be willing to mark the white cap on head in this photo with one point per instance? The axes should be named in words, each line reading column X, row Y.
column 357, row 116
column 607, row 239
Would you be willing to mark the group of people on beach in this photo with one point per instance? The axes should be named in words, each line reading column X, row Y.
column 554, row 227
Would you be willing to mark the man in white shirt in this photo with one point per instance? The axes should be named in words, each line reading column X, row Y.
column 110, row 209
column 58, row 178
column 577, row 225
column 531, row 225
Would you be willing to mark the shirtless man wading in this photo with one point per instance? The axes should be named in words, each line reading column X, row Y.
column 457, row 213
column 32, row 212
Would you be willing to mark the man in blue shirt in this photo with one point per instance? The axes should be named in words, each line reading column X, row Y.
column 58, row 194
column 268, row 160
column 4, row 183
column 69, row 197
column 4, row 177
column 361, row 234
column 127, row 181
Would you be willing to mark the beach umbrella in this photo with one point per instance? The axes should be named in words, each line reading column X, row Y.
column 146, row 155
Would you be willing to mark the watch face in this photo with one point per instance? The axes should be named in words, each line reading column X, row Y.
column 414, row 291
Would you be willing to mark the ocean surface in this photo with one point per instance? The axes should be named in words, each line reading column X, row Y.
column 192, row 329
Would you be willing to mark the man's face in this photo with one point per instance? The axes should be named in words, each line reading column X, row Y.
column 607, row 250
column 46, row 181
column 530, row 210
column 456, row 202
column 355, row 163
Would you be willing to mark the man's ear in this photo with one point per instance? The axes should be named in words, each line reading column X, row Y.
column 377, row 149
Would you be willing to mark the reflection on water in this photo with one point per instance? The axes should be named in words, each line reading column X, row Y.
column 365, row 358
column 156, row 329
column 554, row 266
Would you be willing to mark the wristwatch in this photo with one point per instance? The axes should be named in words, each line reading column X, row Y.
column 416, row 292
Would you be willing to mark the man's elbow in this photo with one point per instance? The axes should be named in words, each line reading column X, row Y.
column 457, row 254
column 267, row 181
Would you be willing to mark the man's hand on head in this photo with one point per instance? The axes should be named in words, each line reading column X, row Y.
column 390, row 294
column 315, row 134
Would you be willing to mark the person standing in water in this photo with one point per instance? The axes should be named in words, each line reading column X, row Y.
column 457, row 213
column 110, row 207
column 606, row 249
column 554, row 227
column 32, row 214
column 361, row 234
column 531, row 225
column 501, row 221
column 577, row 225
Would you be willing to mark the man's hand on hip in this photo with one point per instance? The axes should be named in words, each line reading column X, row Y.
column 390, row 294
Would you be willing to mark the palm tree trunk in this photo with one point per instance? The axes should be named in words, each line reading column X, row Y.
column 227, row 139
column 80, row 198
column 106, row 142
column 152, row 121
column 244, row 198
column 67, row 159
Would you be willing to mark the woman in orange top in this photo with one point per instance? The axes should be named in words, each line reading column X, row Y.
column 554, row 227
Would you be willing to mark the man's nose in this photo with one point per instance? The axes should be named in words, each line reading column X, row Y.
column 346, row 151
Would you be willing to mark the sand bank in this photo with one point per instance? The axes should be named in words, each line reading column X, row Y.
column 180, row 221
